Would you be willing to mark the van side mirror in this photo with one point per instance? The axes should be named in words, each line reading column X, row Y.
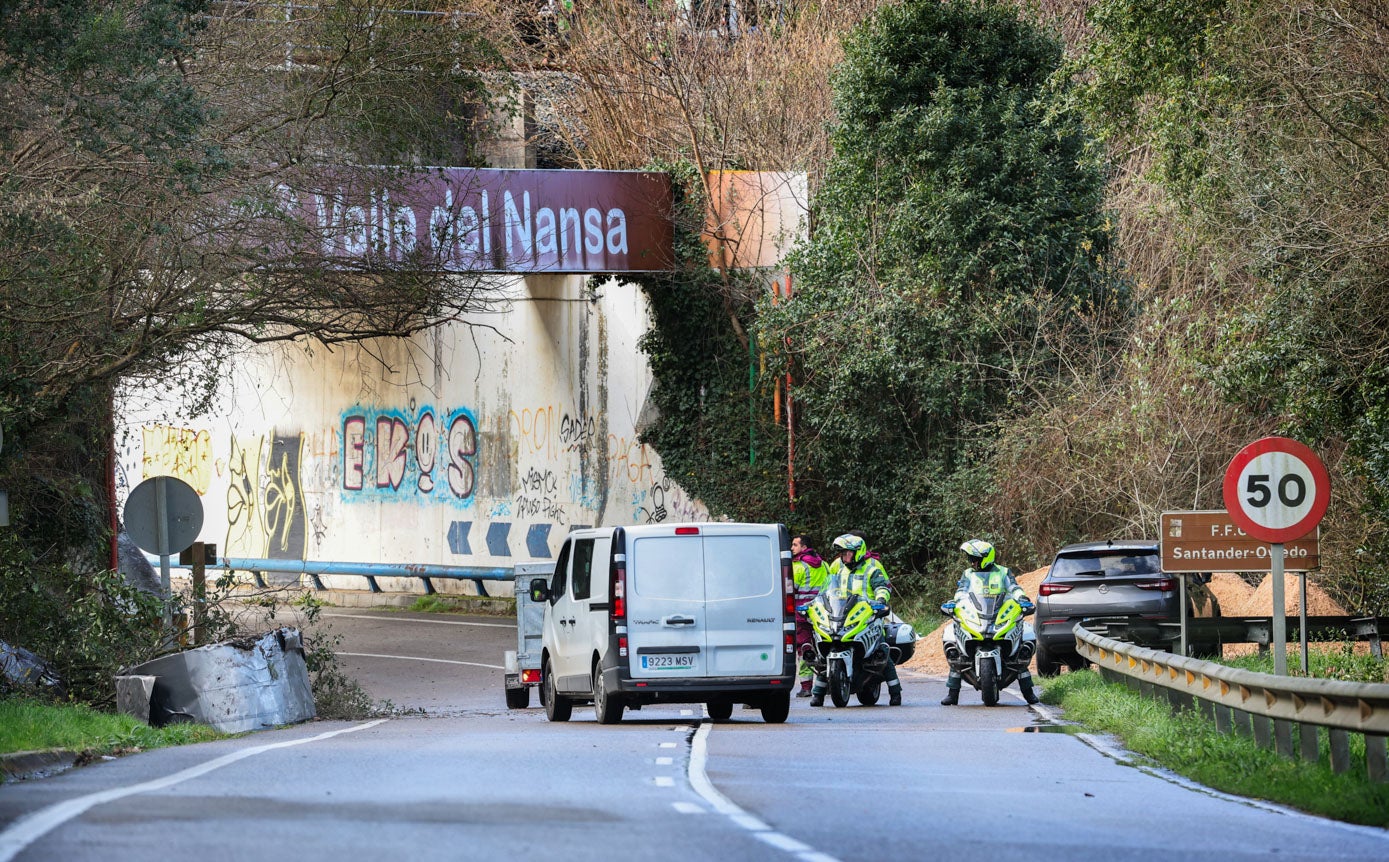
column 540, row 590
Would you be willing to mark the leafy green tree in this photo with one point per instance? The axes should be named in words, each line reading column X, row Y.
column 961, row 208
column 142, row 146
column 1266, row 126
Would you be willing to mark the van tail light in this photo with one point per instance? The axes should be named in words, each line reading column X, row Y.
column 1053, row 589
column 687, row 531
column 790, row 640
column 788, row 586
column 617, row 589
column 622, row 646
column 1167, row 585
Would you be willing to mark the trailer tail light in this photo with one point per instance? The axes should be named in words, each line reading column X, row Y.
column 1053, row 589
column 531, row 677
column 1167, row 585
column 617, row 589
column 687, row 531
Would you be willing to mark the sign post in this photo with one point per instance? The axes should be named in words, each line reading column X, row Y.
column 1277, row 490
column 163, row 515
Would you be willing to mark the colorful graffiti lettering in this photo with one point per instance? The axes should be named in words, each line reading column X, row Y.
column 403, row 454
column 630, row 456
column 284, row 500
column 183, row 453
column 245, row 525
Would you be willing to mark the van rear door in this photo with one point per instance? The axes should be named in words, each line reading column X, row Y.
column 706, row 603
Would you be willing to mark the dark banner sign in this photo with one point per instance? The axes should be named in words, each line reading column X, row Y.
column 482, row 220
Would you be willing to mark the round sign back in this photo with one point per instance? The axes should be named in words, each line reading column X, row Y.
column 1277, row 490
column 180, row 510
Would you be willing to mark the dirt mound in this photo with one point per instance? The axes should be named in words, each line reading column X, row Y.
column 1260, row 601
column 1231, row 591
column 930, row 654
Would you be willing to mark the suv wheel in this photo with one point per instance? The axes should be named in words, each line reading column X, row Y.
column 1047, row 665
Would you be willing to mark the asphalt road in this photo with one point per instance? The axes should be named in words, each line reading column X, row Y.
column 458, row 776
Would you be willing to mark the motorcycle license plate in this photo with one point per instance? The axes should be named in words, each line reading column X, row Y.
column 667, row 662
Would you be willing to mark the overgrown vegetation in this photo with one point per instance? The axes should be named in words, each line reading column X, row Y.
column 1190, row 745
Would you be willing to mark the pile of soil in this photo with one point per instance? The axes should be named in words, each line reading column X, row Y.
column 1231, row 592
column 1260, row 601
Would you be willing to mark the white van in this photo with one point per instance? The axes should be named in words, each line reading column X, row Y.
column 677, row 613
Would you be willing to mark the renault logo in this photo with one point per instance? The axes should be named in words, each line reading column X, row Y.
column 1102, row 589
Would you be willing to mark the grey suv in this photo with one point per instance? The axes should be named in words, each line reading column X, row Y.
column 1115, row 578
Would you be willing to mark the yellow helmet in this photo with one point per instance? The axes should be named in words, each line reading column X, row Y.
column 980, row 553
column 850, row 542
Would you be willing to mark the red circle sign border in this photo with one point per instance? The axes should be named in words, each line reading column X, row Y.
column 1302, row 452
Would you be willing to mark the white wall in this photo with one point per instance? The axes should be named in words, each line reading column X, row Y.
column 470, row 446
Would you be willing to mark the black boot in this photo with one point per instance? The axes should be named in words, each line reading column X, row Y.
column 894, row 696
column 1029, row 694
column 817, row 698
column 952, row 697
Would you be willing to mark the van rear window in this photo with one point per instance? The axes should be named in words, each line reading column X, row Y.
column 740, row 567
column 669, row 567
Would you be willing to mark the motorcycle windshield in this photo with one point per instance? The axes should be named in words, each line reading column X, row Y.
column 987, row 607
column 838, row 601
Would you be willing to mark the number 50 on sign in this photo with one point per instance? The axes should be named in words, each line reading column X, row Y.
column 1277, row 490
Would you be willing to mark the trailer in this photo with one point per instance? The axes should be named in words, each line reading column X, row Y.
column 523, row 663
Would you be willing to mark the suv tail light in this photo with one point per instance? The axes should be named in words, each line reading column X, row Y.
column 1167, row 585
column 1053, row 589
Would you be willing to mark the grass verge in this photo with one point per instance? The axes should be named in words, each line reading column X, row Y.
column 1189, row 745
column 31, row 725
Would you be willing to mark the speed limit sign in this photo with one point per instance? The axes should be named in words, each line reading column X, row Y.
column 1276, row 490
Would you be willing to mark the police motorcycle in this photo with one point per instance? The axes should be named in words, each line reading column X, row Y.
column 989, row 642
column 853, row 639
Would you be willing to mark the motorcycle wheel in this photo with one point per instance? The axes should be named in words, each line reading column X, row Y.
column 869, row 694
column 988, row 684
column 839, row 684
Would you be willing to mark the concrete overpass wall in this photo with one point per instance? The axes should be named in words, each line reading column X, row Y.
column 470, row 445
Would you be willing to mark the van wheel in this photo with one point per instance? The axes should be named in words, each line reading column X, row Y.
column 518, row 698
column 720, row 710
column 557, row 706
column 775, row 707
column 606, row 706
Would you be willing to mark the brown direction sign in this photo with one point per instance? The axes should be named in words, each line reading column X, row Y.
column 1210, row 541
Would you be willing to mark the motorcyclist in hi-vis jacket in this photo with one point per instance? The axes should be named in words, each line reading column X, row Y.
column 853, row 568
column 982, row 563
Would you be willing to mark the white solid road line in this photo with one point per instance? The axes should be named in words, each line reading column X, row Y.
column 31, row 827
column 417, row 658
column 394, row 619
column 699, row 756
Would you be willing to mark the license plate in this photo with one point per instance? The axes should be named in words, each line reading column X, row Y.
column 666, row 662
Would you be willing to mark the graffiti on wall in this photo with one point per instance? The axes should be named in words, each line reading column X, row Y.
column 400, row 455
column 183, row 453
column 664, row 501
column 549, row 431
column 266, row 516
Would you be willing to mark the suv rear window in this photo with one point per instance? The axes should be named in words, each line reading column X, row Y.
column 1100, row 563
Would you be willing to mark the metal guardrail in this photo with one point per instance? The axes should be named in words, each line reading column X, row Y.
column 371, row 571
column 1252, row 630
column 1261, row 705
